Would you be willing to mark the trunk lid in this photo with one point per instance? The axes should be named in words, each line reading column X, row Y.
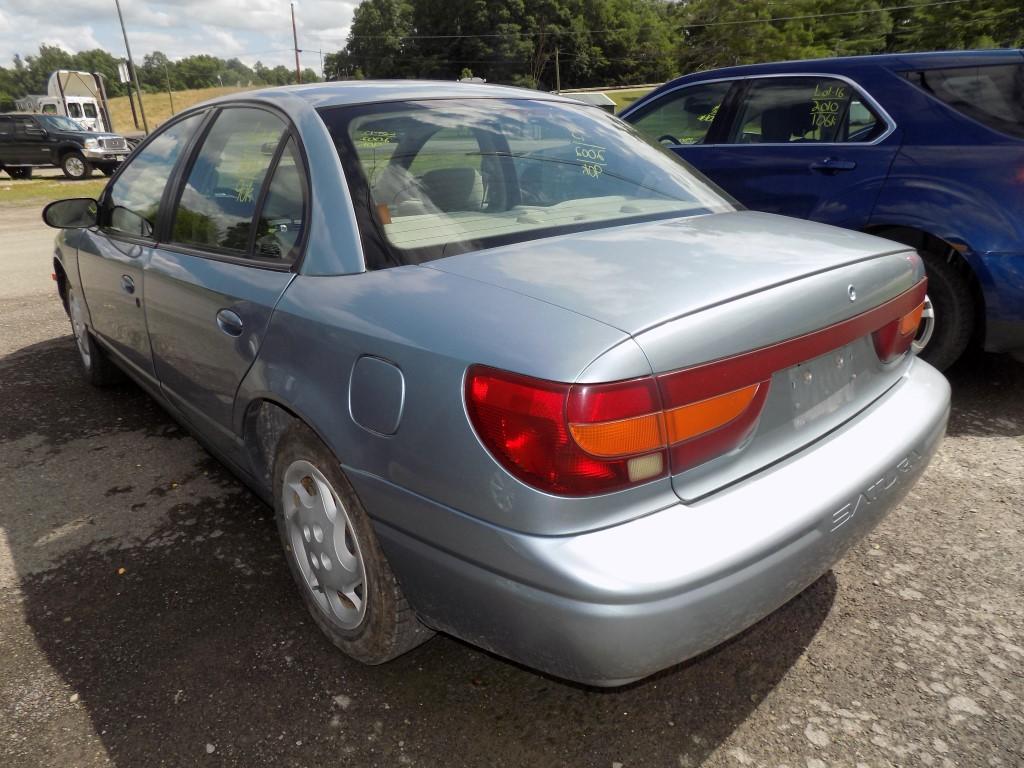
column 639, row 276
column 691, row 291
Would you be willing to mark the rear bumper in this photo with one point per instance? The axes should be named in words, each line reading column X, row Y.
column 611, row 606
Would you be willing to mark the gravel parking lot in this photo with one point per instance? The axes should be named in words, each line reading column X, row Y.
column 147, row 618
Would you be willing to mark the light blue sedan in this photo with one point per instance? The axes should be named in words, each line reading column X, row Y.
column 504, row 369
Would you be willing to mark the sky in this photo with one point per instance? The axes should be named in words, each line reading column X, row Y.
column 250, row 30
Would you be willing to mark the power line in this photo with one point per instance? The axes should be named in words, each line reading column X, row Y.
column 700, row 25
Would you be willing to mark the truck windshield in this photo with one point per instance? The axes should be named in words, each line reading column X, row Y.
column 438, row 177
column 60, row 123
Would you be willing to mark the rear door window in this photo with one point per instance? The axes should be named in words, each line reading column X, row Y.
column 790, row 110
column 90, row 109
column 684, row 116
column 132, row 202
column 218, row 202
column 279, row 226
column 74, row 109
column 992, row 95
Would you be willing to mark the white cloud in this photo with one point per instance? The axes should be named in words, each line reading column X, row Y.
column 248, row 29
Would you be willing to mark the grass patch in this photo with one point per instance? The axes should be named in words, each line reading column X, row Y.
column 158, row 106
column 42, row 191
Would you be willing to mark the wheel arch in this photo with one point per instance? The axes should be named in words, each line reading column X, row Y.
column 264, row 423
column 61, row 276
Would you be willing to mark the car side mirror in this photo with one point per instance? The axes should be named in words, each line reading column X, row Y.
column 76, row 213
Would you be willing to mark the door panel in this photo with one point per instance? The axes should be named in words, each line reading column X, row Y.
column 112, row 258
column 112, row 278
column 210, row 293
column 206, row 322
column 810, row 147
column 32, row 145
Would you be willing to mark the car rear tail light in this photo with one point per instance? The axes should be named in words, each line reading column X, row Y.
column 584, row 439
column 895, row 337
column 523, row 422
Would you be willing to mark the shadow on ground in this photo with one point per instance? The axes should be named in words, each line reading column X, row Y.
column 202, row 643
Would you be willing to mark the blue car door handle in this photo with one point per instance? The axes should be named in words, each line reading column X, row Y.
column 833, row 165
column 127, row 284
column 229, row 322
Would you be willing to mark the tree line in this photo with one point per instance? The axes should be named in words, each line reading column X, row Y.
column 582, row 43
column 156, row 71
column 537, row 43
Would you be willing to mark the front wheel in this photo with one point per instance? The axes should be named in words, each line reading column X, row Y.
column 334, row 556
column 97, row 369
column 75, row 166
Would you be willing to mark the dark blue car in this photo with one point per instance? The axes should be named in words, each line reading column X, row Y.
column 926, row 149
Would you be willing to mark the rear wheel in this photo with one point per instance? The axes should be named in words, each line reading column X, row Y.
column 953, row 306
column 75, row 166
column 97, row 368
column 334, row 555
column 108, row 170
column 25, row 172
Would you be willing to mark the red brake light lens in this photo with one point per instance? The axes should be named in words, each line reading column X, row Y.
column 523, row 422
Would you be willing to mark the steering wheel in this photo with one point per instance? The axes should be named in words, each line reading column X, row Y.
column 668, row 137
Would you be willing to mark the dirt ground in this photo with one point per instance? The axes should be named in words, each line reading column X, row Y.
column 147, row 617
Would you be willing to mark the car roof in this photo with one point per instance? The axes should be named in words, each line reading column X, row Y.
column 343, row 92
column 849, row 65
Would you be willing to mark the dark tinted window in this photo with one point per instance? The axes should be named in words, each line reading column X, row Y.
column 218, row 202
column 90, row 109
column 683, row 117
column 133, row 200
column 790, row 110
column 993, row 95
column 279, row 227
column 74, row 109
column 27, row 126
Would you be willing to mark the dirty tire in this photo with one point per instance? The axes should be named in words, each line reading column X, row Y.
column 20, row 173
column 75, row 166
column 954, row 311
column 97, row 368
column 388, row 627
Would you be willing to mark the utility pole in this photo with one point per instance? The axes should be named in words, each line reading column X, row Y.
column 131, row 66
column 295, row 40
column 558, row 74
column 322, row 64
column 167, row 77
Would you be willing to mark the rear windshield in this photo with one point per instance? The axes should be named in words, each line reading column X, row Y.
column 435, row 178
column 993, row 95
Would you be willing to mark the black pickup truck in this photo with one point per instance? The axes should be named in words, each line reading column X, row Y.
column 29, row 140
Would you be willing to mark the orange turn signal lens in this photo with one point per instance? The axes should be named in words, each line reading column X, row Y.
column 688, row 421
column 910, row 321
column 653, row 431
column 623, row 437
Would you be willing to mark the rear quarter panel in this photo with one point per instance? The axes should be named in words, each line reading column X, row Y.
column 432, row 325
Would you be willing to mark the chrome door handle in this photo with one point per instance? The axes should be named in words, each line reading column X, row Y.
column 127, row 284
column 229, row 322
